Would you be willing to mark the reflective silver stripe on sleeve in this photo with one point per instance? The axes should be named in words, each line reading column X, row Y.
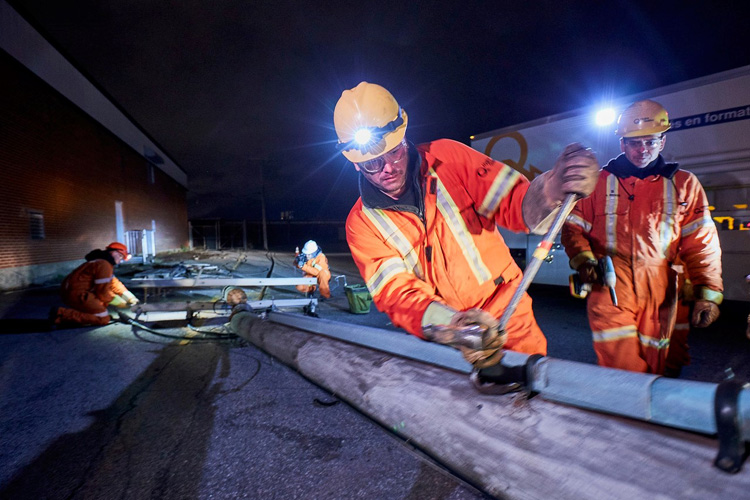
column 694, row 226
column 579, row 221
column 457, row 225
column 385, row 273
column 102, row 314
column 501, row 185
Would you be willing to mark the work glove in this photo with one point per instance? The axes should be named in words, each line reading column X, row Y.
column 493, row 340
column 705, row 312
column 587, row 272
column 576, row 171
column 130, row 298
column 118, row 301
column 236, row 296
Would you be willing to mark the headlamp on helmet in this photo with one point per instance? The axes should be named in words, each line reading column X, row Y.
column 362, row 136
column 368, row 122
column 365, row 137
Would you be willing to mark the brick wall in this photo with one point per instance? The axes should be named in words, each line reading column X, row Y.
column 57, row 161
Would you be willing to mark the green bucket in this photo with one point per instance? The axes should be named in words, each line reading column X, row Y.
column 359, row 298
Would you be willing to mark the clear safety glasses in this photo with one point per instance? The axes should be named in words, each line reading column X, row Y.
column 394, row 156
column 643, row 143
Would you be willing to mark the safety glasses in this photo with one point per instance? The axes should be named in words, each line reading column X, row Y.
column 393, row 157
column 643, row 143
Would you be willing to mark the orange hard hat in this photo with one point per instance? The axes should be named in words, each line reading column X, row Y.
column 119, row 247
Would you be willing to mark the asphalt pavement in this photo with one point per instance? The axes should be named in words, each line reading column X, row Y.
column 178, row 412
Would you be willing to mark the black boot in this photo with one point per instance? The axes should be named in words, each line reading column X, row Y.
column 53, row 318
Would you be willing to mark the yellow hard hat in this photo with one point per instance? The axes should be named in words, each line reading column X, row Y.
column 369, row 122
column 643, row 118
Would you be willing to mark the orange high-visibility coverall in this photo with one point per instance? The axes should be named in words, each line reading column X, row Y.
column 318, row 268
column 645, row 225
column 679, row 352
column 87, row 291
column 446, row 247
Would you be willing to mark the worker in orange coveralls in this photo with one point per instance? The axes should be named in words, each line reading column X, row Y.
column 653, row 220
column 424, row 231
column 91, row 287
column 313, row 262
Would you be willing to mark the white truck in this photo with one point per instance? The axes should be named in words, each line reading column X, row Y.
column 710, row 136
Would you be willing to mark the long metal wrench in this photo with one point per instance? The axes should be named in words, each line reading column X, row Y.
column 472, row 336
column 541, row 252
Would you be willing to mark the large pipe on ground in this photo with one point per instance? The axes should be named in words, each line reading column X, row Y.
column 683, row 404
column 513, row 446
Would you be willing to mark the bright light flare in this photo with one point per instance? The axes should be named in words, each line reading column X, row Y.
column 362, row 136
column 605, row 117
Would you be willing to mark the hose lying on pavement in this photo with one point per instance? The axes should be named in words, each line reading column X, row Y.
column 210, row 336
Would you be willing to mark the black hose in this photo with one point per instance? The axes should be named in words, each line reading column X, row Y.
column 270, row 272
column 136, row 324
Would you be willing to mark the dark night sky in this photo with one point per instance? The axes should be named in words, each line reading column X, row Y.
column 228, row 86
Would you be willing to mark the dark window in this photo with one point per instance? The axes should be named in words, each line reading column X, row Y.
column 36, row 225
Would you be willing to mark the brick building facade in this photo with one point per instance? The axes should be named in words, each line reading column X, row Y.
column 67, row 182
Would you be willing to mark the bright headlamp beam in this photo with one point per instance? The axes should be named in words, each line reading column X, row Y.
column 605, row 117
column 362, row 136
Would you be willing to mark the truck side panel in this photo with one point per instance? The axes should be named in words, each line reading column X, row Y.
column 710, row 137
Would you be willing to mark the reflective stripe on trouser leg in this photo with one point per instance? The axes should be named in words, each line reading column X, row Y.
column 614, row 332
column 84, row 309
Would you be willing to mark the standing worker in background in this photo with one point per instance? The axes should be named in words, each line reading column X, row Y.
column 91, row 287
column 313, row 262
column 651, row 218
column 424, row 230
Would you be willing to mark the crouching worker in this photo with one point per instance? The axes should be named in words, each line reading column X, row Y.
column 424, row 230
column 91, row 287
column 313, row 263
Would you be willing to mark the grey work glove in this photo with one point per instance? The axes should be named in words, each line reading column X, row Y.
column 705, row 312
column 493, row 340
column 576, row 171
